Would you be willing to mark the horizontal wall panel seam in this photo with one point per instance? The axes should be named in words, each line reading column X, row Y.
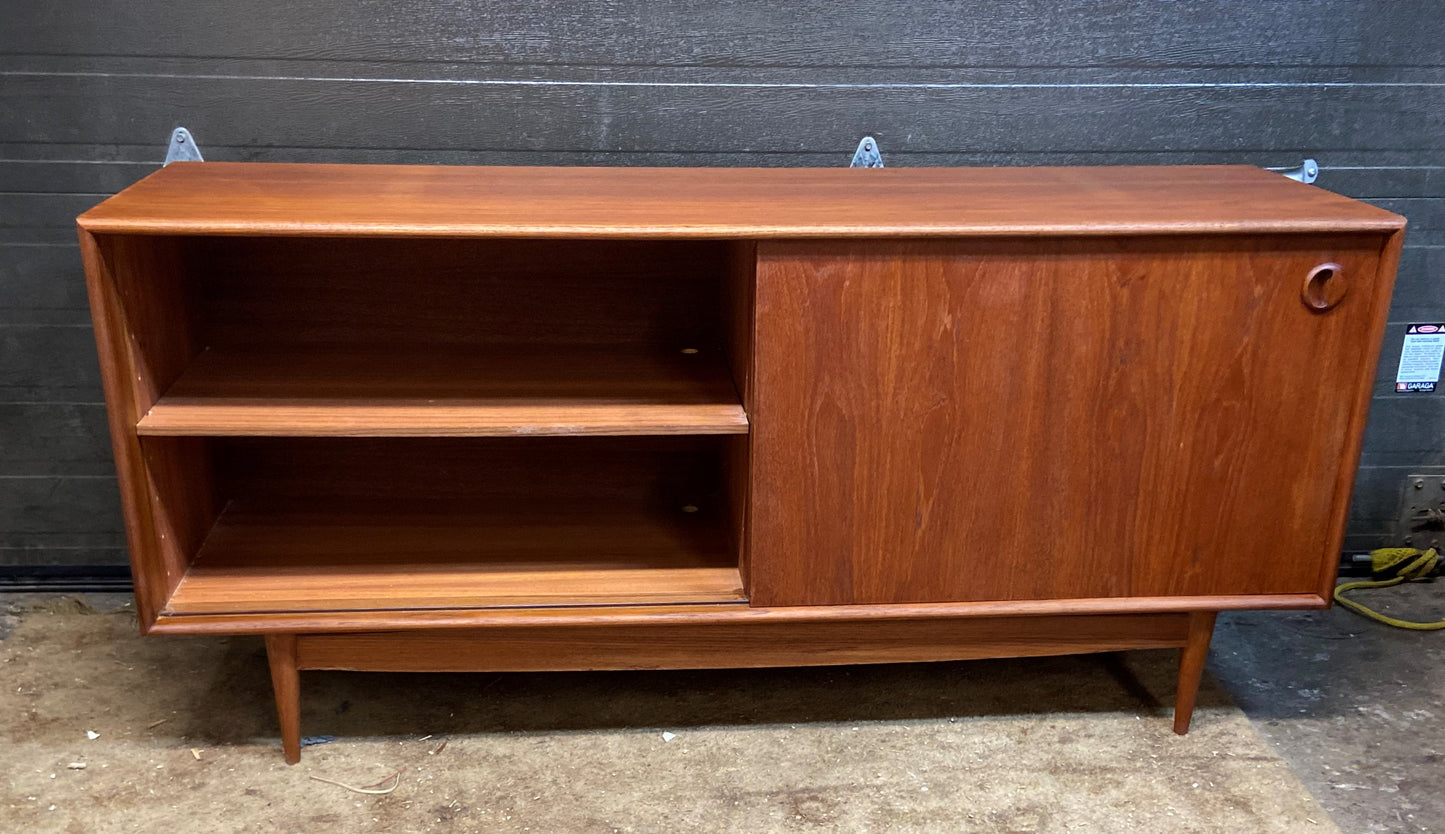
column 785, row 85
column 743, row 64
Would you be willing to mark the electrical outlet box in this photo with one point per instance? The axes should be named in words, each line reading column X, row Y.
column 1421, row 518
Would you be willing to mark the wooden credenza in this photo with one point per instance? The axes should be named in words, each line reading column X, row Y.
column 443, row 419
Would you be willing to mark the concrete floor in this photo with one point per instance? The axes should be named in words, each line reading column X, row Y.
column 1348, row 710
column 1356, row 708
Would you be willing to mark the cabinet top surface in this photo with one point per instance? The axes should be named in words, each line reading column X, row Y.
column 239, row 198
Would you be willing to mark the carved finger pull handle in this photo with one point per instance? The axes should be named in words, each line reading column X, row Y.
column 1324, row 287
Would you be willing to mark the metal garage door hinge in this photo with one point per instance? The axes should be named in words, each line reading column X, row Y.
column 867, row 155
column 182, row 148
column 1308, row 172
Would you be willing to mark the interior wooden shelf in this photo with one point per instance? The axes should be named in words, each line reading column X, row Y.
column 348, row 556
column 449, row 392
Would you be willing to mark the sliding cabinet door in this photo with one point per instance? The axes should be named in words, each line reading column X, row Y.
column 1056, row 419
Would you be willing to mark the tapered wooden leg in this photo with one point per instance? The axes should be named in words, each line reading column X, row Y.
column 1191, row 667
column 286, row 682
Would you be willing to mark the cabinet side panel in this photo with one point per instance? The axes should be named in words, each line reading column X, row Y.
column 144, row 337
column 1052, row 419
column 158, row 303
column 738, row 302
column 1380, row 297
column 184, row 494
column 738, row 297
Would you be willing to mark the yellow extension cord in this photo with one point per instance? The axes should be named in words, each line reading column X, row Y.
column 1400, row 564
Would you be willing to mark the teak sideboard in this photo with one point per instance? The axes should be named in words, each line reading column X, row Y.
column 443, row 419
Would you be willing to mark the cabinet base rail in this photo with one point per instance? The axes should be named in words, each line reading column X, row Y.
column 731, row 645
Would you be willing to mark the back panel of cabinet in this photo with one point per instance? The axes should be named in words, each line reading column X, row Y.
column 1055, row 419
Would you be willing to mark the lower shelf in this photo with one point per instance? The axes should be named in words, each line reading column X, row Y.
column 261, row 558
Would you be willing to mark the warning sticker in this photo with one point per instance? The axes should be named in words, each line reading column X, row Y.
column 1420, row 357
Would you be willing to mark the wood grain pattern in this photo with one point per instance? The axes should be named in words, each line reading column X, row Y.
column 56, row 424
column 1063, row 418
column 367, row 200
column 1272, row 82
column 1191, row 667
column 1359, row 405
column 735, row 646
column 399, row 392
column 184, row 493
column 156, row 308
column 337, row 622
column 286, row 685
column 738, row 303
column 135, row 290
column 1159, row 449
column 444, row 292
column 264, row 557
column 639, row 474
column 335, row 525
